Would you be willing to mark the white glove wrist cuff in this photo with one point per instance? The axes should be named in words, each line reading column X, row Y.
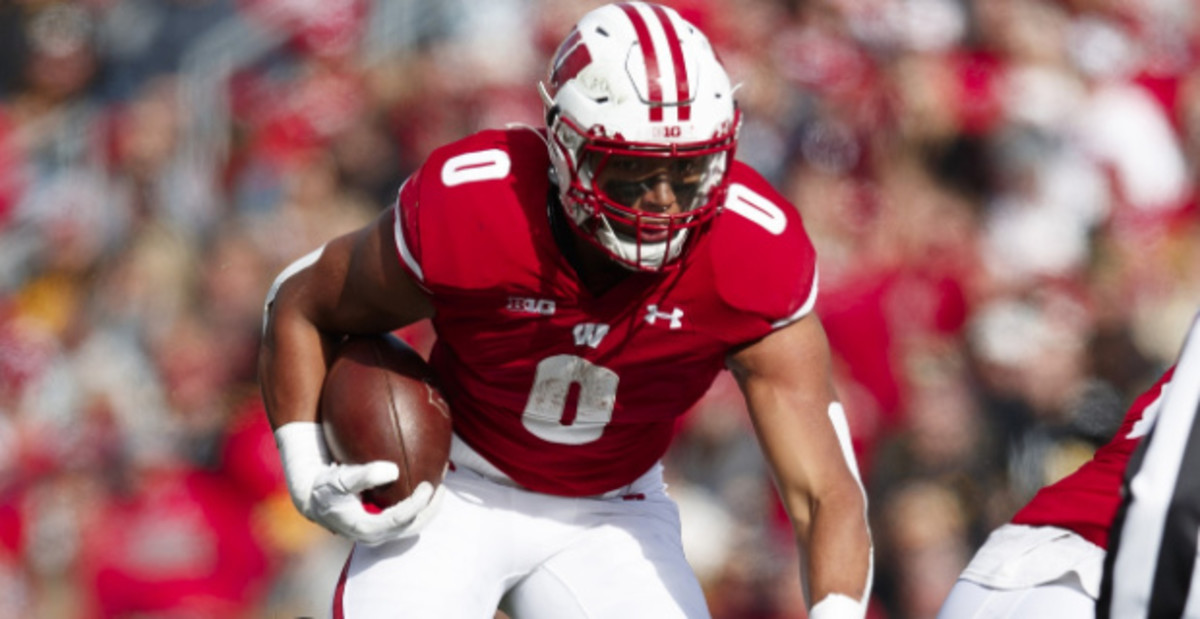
column 302, row 440
column 304, row 454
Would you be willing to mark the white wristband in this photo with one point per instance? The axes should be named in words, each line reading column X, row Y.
column 838, row 606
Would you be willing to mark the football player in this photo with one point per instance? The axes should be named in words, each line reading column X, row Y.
column 586, row 281
column 1048, row 561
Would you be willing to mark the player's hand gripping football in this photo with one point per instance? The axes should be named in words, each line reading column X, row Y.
column 328, row 493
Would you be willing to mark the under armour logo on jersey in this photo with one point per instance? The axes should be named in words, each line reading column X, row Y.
column 590, row 334
column 675, row 316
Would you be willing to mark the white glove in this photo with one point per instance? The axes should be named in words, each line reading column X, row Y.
column 328, row 493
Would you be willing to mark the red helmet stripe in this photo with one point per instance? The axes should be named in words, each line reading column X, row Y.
column 681, row 77
column 572, row 57
column 653, row 79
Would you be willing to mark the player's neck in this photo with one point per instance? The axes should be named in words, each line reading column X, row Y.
column 595, row 269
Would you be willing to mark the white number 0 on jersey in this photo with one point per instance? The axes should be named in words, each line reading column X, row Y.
column 546, row 410
column 756, row 207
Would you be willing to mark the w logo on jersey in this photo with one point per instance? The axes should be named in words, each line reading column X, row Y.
column 590, row 334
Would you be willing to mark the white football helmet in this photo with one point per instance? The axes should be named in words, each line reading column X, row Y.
column 635, row 82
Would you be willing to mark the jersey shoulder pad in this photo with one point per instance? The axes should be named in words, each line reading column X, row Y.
column 763, row 260
column 470, row 204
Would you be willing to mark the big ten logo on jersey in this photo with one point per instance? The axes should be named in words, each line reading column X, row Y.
column 530, row 305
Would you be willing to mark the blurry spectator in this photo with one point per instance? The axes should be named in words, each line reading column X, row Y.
column 925, row 531
column 932, row 484
column 56, row 149
column 155, row 174
column 177, row 542
column 148, row 39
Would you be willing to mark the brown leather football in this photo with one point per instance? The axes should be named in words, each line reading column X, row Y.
column 380, row 402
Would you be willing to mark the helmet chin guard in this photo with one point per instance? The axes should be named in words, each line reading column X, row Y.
column 635, row 85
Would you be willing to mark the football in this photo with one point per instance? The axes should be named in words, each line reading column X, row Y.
column 379, row 402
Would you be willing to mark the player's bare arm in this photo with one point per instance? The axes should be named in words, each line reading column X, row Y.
column 355, row 285
column 351, row 285
column 786, row 381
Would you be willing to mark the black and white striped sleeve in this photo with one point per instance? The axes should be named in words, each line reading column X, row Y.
column 1151, row 569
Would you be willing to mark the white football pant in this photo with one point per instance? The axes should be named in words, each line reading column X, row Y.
column 493, row 545
column 1053, row 600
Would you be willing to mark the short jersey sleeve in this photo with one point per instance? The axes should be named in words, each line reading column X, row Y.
column 461, row 220
column 405, row 228
column 763, row 261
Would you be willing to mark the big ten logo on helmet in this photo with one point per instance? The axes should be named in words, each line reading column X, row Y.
column 530, row 305
column 668, row 131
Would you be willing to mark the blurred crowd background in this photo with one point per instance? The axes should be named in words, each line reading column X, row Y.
column 1002, row 194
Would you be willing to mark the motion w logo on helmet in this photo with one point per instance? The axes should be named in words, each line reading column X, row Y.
column 571, row 58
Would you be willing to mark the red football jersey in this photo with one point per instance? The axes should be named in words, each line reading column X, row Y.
column 566, row 392
column 1086, row 501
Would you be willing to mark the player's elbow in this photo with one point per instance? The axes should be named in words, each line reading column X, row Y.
column 842, row 502
column 279, row 290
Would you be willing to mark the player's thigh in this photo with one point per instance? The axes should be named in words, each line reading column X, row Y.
column 456, row 568
column 629, row 564
column 1058, row 600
